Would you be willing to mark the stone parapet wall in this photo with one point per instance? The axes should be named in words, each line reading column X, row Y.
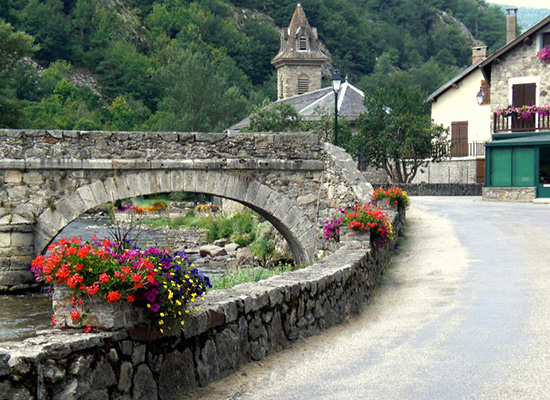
column 147, row 146
column 451, row 171
column 441, row 189
column 235, row 326
column 525, row 194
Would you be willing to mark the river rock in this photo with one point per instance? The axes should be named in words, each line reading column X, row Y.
column 212, row 250
column 232, row 248
column 245, row 256
column 221, row 242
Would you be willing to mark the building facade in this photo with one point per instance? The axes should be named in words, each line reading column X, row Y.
column 518, row 156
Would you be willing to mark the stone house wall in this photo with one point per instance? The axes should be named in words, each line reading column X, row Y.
column 519, row 65
column 235, row 326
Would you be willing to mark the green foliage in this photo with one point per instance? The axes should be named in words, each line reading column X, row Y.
column 204, row 65
column 201, row 92
column 397, row 134
column 280, row 118
column 244, row 275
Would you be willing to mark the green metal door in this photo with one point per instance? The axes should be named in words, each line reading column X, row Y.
column 501, row 167
column 543, row 189
column 523, row 166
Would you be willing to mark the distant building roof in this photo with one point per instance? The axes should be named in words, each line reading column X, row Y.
column 350, row 104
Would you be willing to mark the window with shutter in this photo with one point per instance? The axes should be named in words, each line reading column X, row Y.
column 523, row 95
column 545, row 39
column 303, row 84
column 486, row 90
column 459, row 139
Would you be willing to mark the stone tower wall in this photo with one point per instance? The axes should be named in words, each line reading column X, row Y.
column 287, row 79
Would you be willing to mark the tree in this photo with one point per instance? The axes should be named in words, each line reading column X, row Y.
column 14, row 47
column 397, row 133
column 202, row 92
column 280, row 118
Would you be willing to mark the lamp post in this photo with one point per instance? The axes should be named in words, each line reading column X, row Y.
column 336, row 83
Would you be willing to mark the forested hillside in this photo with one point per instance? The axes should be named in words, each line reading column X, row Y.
column 202, row 65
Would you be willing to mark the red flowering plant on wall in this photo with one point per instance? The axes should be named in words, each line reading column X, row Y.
column 544, row 54
column 395, row 196
column 361, row 218
column 162, row 282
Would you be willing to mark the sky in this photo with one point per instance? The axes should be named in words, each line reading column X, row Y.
column 523, row 3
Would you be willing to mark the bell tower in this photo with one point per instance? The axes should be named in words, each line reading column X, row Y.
column 299, row 60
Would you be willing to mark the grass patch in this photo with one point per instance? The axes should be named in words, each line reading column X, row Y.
column 244, row 275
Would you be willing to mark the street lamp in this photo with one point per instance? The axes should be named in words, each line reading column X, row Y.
column 336, row 83
column 480, row 97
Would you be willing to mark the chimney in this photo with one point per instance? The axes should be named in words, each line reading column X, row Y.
column 479, row 53
column 511, row 24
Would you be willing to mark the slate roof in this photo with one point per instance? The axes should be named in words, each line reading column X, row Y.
column 350, row 104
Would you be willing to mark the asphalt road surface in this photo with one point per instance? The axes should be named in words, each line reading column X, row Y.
column 463, row 312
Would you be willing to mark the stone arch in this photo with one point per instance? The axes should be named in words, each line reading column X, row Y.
column 281, row 212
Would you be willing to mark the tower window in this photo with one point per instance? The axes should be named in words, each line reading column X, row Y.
column 303, row 43
column 303, row 84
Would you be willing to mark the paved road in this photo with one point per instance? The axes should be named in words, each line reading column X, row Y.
column 463, row 313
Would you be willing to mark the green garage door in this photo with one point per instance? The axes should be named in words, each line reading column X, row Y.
column 523, row 166
column 513, row 166
column 501, row 166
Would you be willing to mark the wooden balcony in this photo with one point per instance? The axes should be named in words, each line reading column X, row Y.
column 512, row 123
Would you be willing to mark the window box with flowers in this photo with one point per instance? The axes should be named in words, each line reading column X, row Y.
column 103, row 285
column 523, row 112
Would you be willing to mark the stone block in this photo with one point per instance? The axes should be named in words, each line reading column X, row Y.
column 252, row 191
column 145, row 387
column 87, row 197
column 100, row 193
column 236, row 187
column 190, row 181
column 11, row 176
column 163, row 181
column 177, row 181
column 5, row 241
column 33, row 178
column 111, row 190
column 177, row 375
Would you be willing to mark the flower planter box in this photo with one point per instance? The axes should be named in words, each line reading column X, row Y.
column 99, row 315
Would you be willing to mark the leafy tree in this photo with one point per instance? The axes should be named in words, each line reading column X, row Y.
column 14, row 46
column 279, row 118
column 202, row 92
column 397, row 133
column 124, row 71
column 50, row 27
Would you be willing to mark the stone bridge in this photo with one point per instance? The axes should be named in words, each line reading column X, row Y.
column 49, row 178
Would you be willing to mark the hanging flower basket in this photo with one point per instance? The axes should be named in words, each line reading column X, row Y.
column 544, row 54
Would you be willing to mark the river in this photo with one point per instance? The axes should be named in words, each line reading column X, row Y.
column 22, row 315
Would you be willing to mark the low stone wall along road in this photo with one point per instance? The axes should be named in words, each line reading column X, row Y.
column 463, row 313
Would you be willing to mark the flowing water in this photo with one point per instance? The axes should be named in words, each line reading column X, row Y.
column 22, row 315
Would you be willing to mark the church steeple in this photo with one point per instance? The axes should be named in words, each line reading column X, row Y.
column 299, row 60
